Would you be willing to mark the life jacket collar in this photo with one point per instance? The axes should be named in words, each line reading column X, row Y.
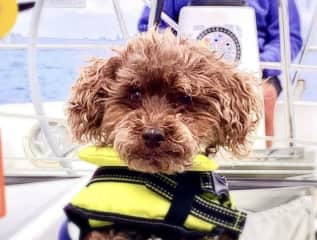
column 106, row 156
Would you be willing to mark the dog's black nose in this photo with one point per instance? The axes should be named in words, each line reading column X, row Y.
column 153, row 137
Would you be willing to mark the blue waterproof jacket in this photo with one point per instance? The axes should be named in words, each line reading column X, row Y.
column 267, row 25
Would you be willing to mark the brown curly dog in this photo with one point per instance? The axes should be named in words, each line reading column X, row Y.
column 159, row 101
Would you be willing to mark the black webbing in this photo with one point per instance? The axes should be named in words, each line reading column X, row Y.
column 187, row 188
column 80, row 219
column 185, row 193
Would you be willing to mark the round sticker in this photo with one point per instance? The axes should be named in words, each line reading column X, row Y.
column 223, row 41
column 8, row 15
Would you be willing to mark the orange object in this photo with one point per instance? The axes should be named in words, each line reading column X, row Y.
column 2, row 196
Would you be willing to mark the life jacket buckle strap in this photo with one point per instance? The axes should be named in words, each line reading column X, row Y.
column 216, row 184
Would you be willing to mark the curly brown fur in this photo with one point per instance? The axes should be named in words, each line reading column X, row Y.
column 159, row 83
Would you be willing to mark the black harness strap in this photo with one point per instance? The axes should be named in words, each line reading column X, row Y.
column 187, row 188
column 184, row 191
column 80, row 219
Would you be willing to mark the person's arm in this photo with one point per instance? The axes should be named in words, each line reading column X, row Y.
column 169, row 9
column 271, row 50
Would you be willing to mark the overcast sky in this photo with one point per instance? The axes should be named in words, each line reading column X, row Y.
column 96, row 20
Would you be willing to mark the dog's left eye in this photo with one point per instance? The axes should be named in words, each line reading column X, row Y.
column 135, row 95
column 186, row 99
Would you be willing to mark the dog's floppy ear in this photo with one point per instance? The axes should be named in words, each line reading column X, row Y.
column 86, row 106
column 242, row 111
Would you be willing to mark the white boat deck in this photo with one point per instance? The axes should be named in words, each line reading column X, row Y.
column 35, row 211
column 26, row 202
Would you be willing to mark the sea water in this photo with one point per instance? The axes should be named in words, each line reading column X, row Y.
column 57, row 69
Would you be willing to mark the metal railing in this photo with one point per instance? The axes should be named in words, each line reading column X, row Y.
column 285, row 48
column 32, row 73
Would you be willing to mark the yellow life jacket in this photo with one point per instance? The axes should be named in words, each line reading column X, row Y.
column 193, row 204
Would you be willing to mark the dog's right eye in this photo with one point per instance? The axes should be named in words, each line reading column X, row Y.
column 185, row 99
column 135, row 95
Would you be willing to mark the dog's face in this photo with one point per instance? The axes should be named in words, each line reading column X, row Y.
column 160, row 101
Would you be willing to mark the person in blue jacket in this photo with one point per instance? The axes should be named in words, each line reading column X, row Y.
column 268, row 40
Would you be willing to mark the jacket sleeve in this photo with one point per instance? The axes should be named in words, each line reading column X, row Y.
column 168, row 8
column 271, row 50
